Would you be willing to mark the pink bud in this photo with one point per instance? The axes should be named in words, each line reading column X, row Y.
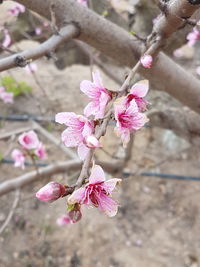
column 51, row 192
column 75, row 215
column 92, row 141
column 29, row 140
column 18, row 157
column 64, row 220
column 41, row 151
column 146, row 61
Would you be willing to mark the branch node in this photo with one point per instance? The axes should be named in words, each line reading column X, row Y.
column 20, row 61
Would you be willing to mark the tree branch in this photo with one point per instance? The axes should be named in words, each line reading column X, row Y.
column 30, row 177
column 21, row 59
column 124, row 48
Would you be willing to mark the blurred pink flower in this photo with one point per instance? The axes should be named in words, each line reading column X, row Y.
column 29, row 140
column 51, row 192
column 7, row 97
column 64, row 220
column 83, row 2
column 38, row 31
column 98, row 95
column 18, row 157
column 7, row 39
column 31, row 68
column 146, row 61
column 41, row 151
column 17, row 9
column 79, row 128
column 193, row 36
column 138, row 92
column 92, row 141
column 97, row 192
column 128, row 120
column 198, row 70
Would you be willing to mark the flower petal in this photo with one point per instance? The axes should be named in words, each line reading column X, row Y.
column 82, row 151
column 91, row 109
column 89, row 89
column 140, row 89
column 108, row 205
column 97, row 175
column 109, row 185
column 97, row 79
column 68, row 118
column 71, row 138
column 78, row 196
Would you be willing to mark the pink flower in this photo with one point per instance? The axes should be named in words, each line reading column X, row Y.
column 31, row 68
column 7, row 97
column 51, row 192
column 138, row 92
column 64, row 220
column 41, row 151
column 83, row 2
column 29, row 140
column 7, row 39
column 146, row 61
column 193, row 37
column 98, row 95
column 198, row 70
column 17, row 9
column 79, row 128
column 38, row 31
column 18, row 157
column 97, row 192
column 128, row 120
column 92, row 141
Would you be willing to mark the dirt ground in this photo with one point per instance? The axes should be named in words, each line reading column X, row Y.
column 158, row 220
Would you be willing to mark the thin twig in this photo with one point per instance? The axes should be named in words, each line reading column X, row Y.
column 10, row 215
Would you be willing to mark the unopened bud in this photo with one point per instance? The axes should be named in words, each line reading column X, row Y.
column 51, row 192
column 92, row 141
column 146, row 61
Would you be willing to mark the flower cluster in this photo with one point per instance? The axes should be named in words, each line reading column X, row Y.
column 193, row 36
column 31, row 146
column 129, row 116
column 7, row 97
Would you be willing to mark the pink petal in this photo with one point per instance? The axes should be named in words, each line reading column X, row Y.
column 68, row 118
column 108, row 205
column 91, row 109
column 71, row 138
column 110, row 185
column 97, row 79
column 140, row 89
column 89, row 89
column 64, row 220
column 78, row 196
column 7, row 39
column 97, row 175
column 92, row 142
column 87, row 129
column 82, row 151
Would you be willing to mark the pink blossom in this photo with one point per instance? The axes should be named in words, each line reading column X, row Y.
column 51, row 192
column 83, row 2
column 38, row 31
column 146, row 61
column 128, row 120
column 29, row 140
column 92, row 141
column 7, row 97
column 18, row 157
column 79, row 128
column 31, row 68
column 41, row 151
column 198, row 70
column 138, row 92
column 97, row 192
column 64, row 220
column 193, row 36
column 7, row 39
column 2, row 89
column 17, row 9
column 98, row 95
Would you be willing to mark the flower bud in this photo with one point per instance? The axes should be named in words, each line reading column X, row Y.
column 75, row 215
column 64, row 220
column 92, row 141
column 51, row 192
column 146, row 61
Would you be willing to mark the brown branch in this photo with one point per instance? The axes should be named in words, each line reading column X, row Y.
column 21, row 59
column 115, row 42
column 30, row 177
